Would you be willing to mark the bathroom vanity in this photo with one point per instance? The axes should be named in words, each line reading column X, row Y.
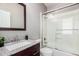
column 21, row 48
column 31, row 51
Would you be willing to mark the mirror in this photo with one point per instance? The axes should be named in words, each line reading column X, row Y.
column 12, row 16
column 4, row 17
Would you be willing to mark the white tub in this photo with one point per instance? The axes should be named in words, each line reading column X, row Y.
column 57, row 52
column 61, row 53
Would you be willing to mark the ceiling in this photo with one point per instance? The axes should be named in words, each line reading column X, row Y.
column 51, row 6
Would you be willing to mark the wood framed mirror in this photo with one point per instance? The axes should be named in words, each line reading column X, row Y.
column 12, row 16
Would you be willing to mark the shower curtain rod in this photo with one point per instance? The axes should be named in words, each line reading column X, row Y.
column 59, row 9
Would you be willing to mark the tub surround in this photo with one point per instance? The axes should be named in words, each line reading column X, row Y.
column 5, row 51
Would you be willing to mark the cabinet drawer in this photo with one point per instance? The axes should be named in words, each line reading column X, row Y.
column 29, row 51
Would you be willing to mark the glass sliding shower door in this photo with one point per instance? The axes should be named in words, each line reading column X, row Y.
column 62, row 31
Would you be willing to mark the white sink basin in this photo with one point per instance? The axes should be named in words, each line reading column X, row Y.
column 17, row 45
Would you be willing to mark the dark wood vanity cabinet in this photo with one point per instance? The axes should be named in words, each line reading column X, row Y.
column 31, row 51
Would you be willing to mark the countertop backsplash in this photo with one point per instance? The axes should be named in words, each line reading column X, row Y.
column 13, row 38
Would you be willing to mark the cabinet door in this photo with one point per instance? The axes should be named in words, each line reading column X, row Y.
column 31, row 51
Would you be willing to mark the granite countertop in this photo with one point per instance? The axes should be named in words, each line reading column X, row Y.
column 5, row 52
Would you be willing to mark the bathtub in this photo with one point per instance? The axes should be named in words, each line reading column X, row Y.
column 57, row 52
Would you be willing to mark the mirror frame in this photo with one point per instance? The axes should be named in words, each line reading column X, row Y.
column 20, row 29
